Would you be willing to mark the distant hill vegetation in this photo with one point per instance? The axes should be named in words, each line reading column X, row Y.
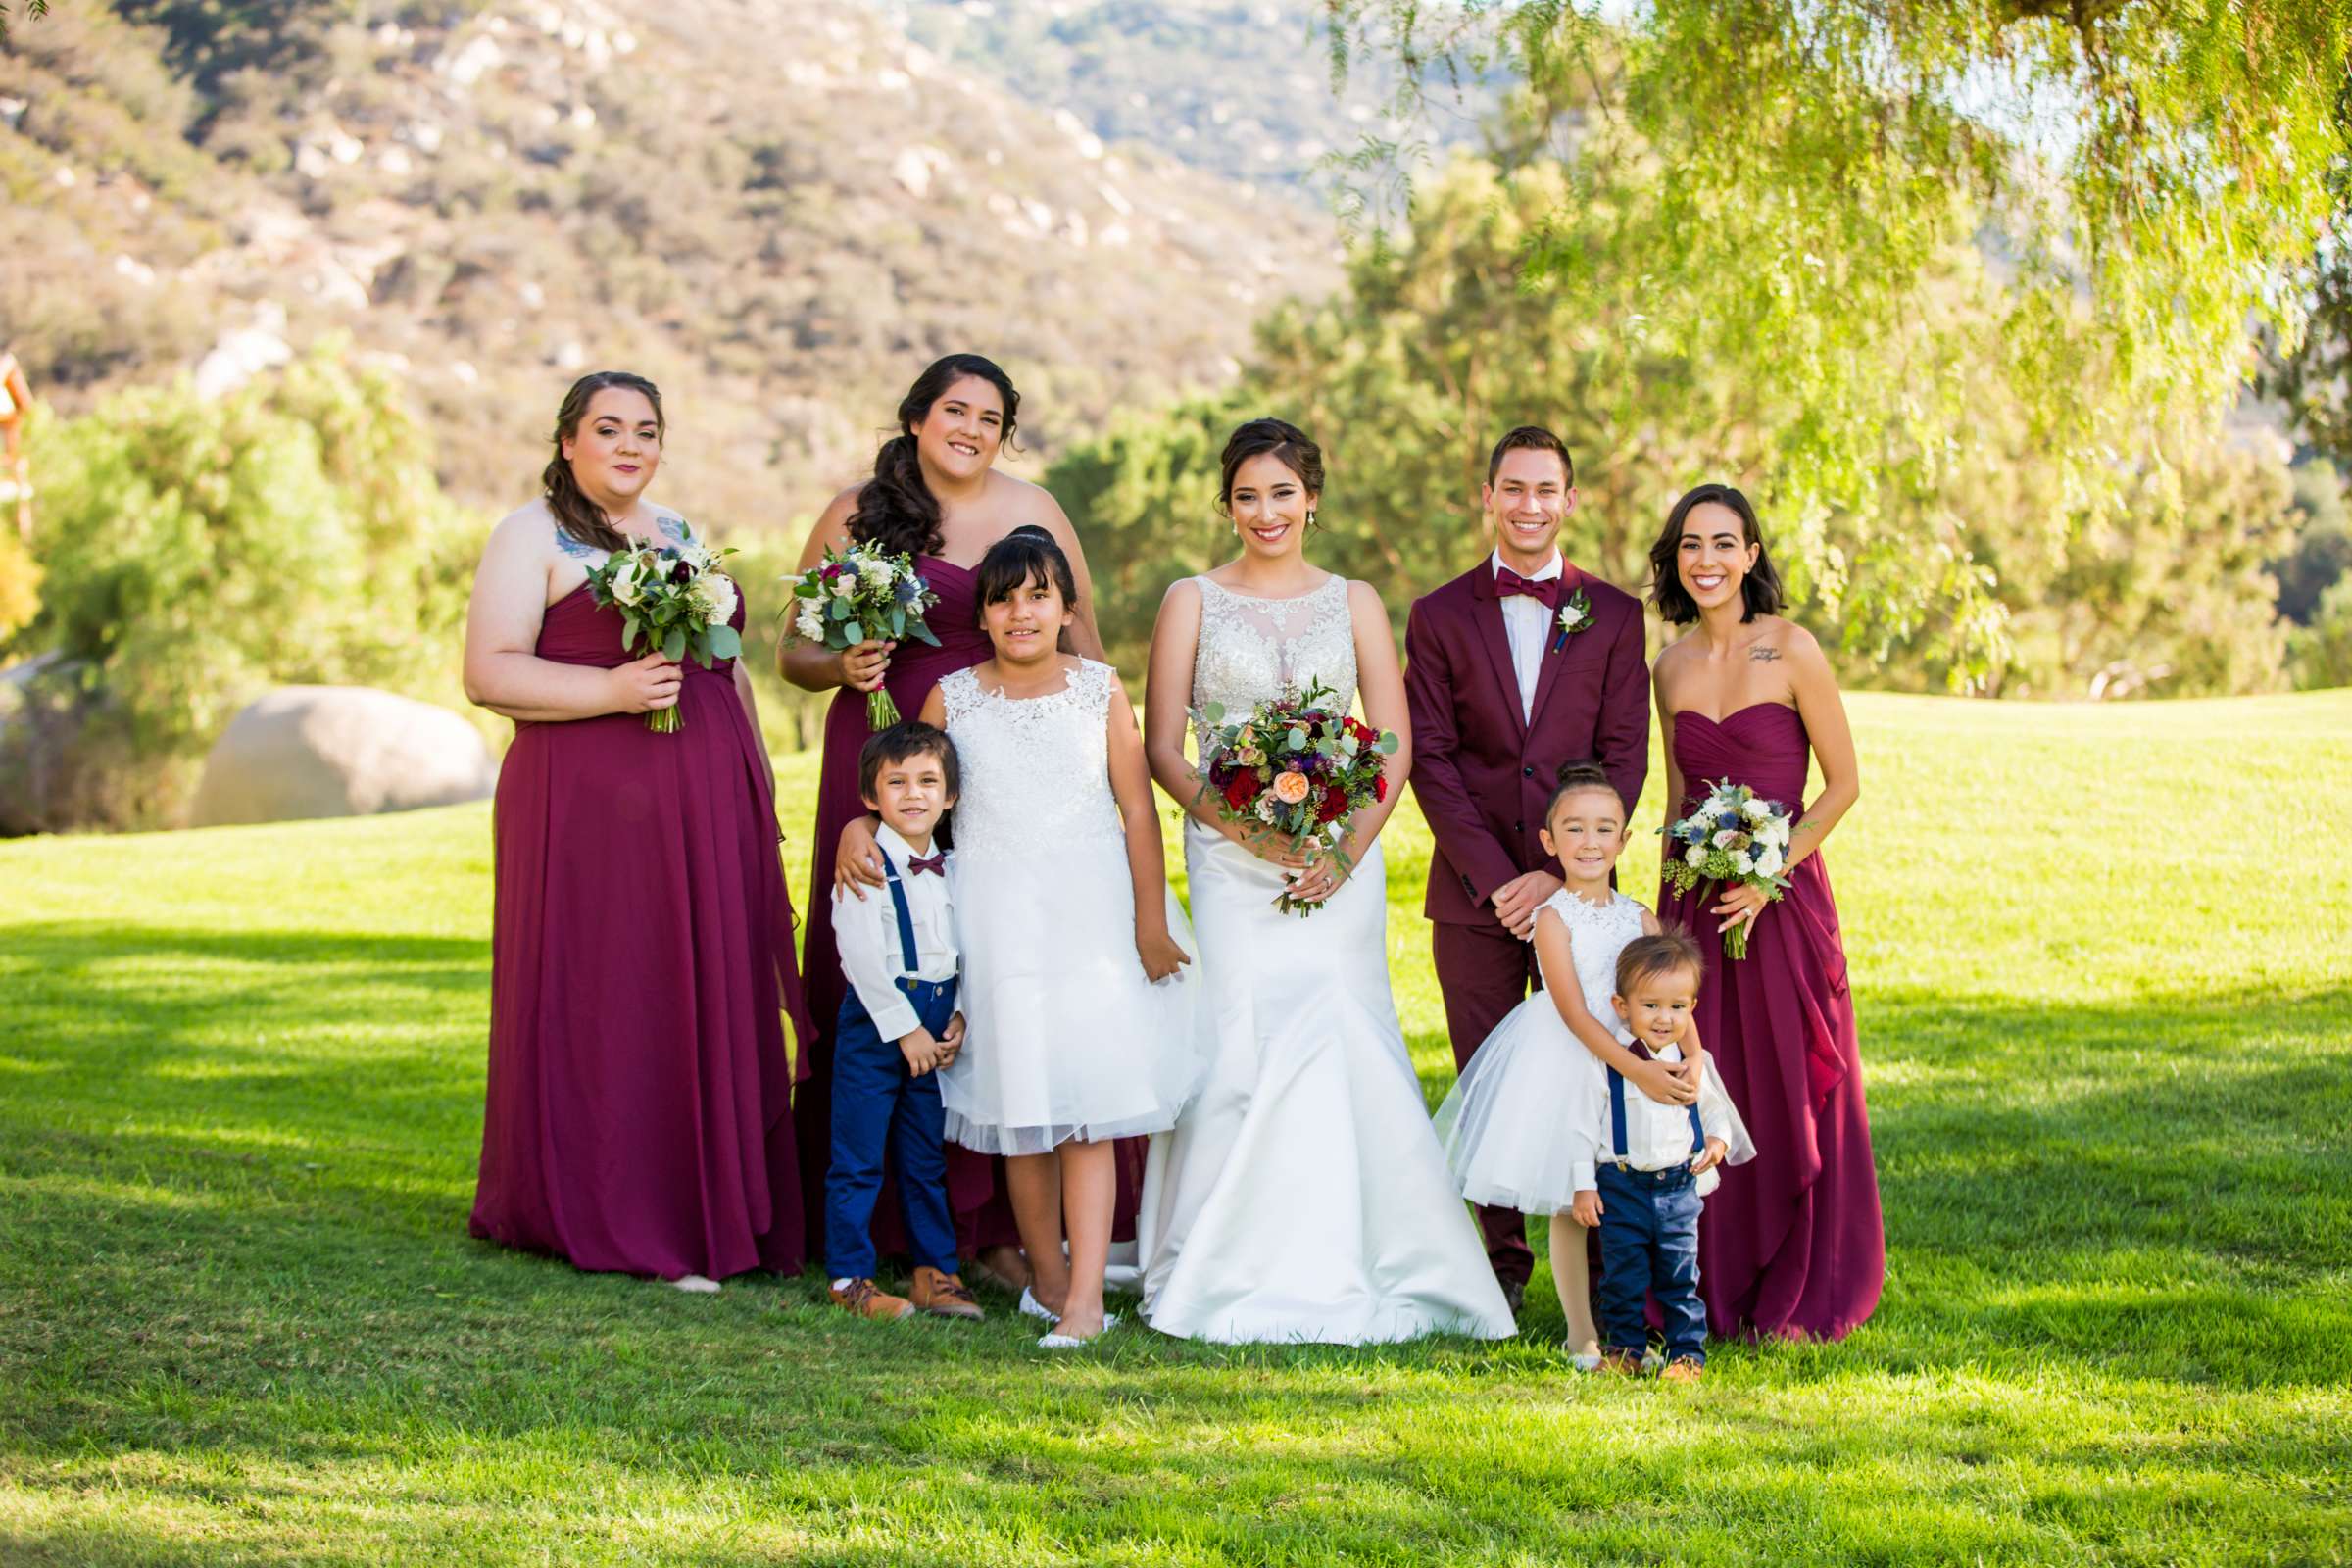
column 779, row 208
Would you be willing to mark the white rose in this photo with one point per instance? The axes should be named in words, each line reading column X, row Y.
column 1756, row 810
column 845, row 586
column 623, row 585
column 1769, row 862
column 1265, row 808
column 719, row 590
column 877, row 574
column 1696, row 855
column 1743, row 863
column 811, row 623
column 1723, row 839
column 1570, row 617
column 1774, row 831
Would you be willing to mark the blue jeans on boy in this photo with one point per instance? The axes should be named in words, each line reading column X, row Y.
column 1649, row 1247
column 882, row 1110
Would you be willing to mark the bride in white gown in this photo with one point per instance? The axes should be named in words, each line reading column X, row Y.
column 1303, row 1196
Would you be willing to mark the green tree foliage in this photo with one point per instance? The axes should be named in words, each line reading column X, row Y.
column 2322, row 652
column 1771, row 193
column 200, row 552
column 1991, row 574
column 2321, row 553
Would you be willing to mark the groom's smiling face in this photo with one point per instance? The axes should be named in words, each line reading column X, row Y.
column 1525, row 505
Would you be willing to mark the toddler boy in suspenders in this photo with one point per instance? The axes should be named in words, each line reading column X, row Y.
column 898, row 1026
column 1655, row 1163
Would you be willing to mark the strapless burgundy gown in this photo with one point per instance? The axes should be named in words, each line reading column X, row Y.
column 639, row 1107
column 976, row 1191
column 1791, row 1244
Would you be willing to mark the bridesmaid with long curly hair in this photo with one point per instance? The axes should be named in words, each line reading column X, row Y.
column 639, row 1109
column 935, row 495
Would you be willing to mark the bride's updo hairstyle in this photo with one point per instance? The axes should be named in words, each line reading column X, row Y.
column 896, row 509
column 1023, row 556
column 1760, row 591
column 577, row 515
column 1577, row 778
column 1282, row 440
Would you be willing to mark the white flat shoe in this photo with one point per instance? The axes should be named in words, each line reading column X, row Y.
column 1588, row 1362
column 1031, row 1306
column 1071, row 1342
column 694, row 1284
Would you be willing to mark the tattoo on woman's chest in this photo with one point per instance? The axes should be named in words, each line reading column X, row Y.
column 1763, row 655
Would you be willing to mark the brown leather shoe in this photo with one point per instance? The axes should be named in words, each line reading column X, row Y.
column 1621, row 1363
column 864, row 1299
column 943, row 1294
column 1682, row 1370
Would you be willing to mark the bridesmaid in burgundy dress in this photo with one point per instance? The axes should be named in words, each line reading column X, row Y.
column 936, row 496
column 1791, row 1244
column 639, row 1112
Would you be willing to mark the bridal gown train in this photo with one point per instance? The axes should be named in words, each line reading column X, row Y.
column 1303, row 1196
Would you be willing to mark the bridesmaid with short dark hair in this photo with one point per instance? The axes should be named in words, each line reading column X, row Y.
column 639, row 1107
column 1792, row 1245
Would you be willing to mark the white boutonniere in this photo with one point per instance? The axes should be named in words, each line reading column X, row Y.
column 1576, row 614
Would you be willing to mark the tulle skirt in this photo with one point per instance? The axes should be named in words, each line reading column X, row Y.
column 1521, row 1114
column 1067, row 1039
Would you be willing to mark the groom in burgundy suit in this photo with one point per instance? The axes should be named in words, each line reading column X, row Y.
column 1521, row 663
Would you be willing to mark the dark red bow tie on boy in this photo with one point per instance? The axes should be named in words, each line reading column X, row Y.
column 935, row 864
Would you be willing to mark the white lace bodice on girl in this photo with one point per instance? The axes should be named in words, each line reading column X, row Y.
column 1597, row 934
column 1251, row 649
column 1036, row 769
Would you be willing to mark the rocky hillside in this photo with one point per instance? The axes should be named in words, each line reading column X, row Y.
column 780, row 208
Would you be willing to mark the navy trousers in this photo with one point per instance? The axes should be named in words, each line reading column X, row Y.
column 1649, row 1247
column 881, row 1110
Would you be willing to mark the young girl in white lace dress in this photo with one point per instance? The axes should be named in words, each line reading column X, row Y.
column 1079, row 1008
column 1512, row 1127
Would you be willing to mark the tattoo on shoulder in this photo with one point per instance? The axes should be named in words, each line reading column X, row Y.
column 677, row 528
column 570, row 546
column 1762, row 655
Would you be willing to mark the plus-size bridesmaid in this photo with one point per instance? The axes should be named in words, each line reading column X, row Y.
column 638, row 1115
column 1792, row 1243
column 936, row 496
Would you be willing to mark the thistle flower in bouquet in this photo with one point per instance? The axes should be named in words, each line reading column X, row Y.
column 1735, row 837
column 858, row 595
column 672, row 599
column 1298, row 768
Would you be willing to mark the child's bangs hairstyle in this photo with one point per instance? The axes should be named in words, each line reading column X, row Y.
column 1670, row 951
column 903, row 742
column 1760, row 591
column 1023, row 556
column 1574, row 778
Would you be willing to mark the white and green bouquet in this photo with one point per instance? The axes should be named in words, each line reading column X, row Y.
column 860, row 595
column 673, row 599
column 1737, row 837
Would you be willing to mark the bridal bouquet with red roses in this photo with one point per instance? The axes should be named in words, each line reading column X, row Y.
column 1297, row 767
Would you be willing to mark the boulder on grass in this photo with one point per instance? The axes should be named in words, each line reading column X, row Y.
column 339, row 751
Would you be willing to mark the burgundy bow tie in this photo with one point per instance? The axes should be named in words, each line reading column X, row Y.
column 935, row 864
column 1508, row 582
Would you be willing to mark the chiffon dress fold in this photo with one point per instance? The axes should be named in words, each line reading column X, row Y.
column 638, row 1116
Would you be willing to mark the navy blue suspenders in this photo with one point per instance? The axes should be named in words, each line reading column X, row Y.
column 897, row 898
column 1618, row 1150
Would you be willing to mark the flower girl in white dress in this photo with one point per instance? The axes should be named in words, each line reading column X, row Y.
column 1078, row 1005
column 1513, row 1126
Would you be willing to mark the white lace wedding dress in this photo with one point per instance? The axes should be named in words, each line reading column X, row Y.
column 1302, row 1196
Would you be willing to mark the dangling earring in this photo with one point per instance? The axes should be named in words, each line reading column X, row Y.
column 1311, row 516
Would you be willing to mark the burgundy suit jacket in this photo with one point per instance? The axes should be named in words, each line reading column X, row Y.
column 1483, row 773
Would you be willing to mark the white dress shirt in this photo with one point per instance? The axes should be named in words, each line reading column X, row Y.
column 866, row 930
column 1527, row 623
column 1660, row 1134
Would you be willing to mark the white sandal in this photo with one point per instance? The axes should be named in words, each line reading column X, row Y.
column 1058, row 1341
column 1031, row 1306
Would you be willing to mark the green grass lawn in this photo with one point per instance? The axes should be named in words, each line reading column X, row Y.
column 2105, row 1001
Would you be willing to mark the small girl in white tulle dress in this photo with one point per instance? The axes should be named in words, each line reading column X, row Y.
column 1079, row 1012
column 1514, row 1128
